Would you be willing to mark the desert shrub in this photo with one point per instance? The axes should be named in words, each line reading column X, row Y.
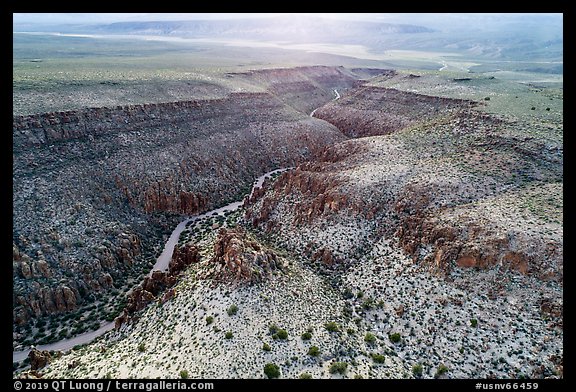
column 306, row 336
column 395, row 337
column 232, row 310
column 338, row 367
column 229, row 335
column 347, row 293
column 184, row 374
column 110, row 317
column 417, row 370
column 474, row 323
column 313, row 351
column 271, row 370
column 273, row 329
column 332, row 326
column 369, row 338
column 209, row 320
column 305, row 376
column 441, row 370
column 282, row 334
column 142, row 347
column 266, row 347
column 378, row 358
column 368, row 304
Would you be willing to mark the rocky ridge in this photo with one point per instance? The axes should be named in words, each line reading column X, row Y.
column 158, row 283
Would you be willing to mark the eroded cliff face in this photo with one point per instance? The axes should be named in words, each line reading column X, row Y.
column 95, row 189
column 69, row 282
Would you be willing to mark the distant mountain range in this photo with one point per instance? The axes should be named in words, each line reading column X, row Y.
column 294, row 30
column 275, row 28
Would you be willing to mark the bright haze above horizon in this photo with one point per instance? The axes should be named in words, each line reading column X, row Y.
column 433, row 20
column 529, row 36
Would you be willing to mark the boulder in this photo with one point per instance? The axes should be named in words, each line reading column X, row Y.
column 38, row 359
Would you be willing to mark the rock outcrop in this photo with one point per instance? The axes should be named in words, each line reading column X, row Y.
column 38, row 359
column 239, row 259
column 321, row 194
column 182, row 257
column 554, row 310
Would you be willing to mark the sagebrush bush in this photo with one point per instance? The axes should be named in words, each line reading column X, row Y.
column 271, row 370
column 338, row 367
column 313, row 351
column 369, row 338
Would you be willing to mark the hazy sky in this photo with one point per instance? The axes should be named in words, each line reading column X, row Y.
column 426, row 19
column 117, row 17
column 450, row 23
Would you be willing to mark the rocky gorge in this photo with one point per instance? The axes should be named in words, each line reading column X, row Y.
column 95, row 189
column 415, row 231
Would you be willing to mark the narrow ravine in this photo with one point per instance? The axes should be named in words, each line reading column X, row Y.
column 161, row 264
column 166, row 255
column 337, row 97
